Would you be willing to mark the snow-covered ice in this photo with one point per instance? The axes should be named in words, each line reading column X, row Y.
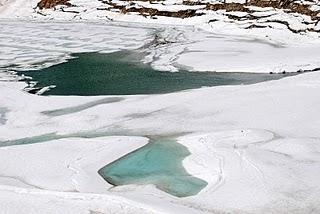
column 29, row 45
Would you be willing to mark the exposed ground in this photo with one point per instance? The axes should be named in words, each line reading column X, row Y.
column 296, row 16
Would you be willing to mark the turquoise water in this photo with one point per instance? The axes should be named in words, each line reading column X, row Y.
column 158, row 163
column 120, row 73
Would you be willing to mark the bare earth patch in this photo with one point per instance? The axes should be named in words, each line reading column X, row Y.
column 304, row 15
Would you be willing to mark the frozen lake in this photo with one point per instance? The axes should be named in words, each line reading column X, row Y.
column 244, row 148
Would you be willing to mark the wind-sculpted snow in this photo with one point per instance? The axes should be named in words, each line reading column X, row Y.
column 257, row 167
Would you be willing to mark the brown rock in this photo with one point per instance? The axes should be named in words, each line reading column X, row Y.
column 47, row 4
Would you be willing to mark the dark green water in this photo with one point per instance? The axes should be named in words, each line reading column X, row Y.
column 120, row 74
column 158, row 163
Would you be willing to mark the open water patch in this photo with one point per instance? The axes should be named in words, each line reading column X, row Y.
column 121, row 73
column 158, row 163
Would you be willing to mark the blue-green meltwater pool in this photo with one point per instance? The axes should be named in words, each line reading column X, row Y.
column 158, row 163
